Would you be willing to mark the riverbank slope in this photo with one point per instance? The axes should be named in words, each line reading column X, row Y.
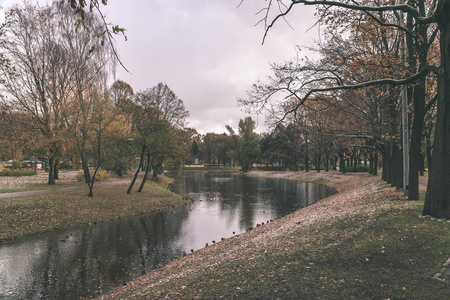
column 364, row 242
column 36, row 214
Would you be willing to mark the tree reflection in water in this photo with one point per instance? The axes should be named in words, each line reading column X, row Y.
column 90, row 261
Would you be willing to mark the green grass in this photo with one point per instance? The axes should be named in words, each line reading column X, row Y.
column 395, row 256
column 37, row 214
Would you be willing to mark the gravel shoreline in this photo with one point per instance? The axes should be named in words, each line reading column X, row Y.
column 358, row 194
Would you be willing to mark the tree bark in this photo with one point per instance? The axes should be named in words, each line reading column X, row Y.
column 375, row 163
column 341, row 162
column 437, row 200
column 306, row 163
column 87, row 175
column 419, row 97
column 386, row 164
column 398, row 161
column 56, row 170
column 91, row 184
column 141, row 187
column 428, row 145
column 51, row 168
column 422, row 165
column 318, row 162
column 416, row 140
column 141, row 163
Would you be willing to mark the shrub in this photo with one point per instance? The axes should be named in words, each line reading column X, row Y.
column 101, row 175
column 17, row 165
column 18, row 172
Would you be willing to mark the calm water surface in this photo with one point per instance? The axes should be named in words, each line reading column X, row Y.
column 91, row 260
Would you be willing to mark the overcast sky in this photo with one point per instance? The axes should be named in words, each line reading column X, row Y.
column 208, row 52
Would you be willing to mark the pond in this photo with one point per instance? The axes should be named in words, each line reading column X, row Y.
column 92, row 260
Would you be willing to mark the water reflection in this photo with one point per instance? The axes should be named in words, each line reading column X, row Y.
column 244, row 201
column 91, row 260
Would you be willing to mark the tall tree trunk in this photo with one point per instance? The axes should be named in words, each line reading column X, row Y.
column 341, row 162
column 422, row 165
column 365, row 159
column 56, row 169
column 57, row 158
column 319, row 157
column 386, row 163
column 375, row 163
column 393, row 166
column 306, row 163
column 147, row 169
column 428, row 145
column 51, row 168
column 306, row 155
column 419, row 96
column 399, row 167
column 91, row 184
column 87, row 175
column 416, row 143
column 437, row 200
column 141, row 163
column 396, row 167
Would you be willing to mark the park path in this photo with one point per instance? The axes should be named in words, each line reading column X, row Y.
column 62, row 190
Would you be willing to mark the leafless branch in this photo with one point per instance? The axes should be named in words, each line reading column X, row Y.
column 366, row 8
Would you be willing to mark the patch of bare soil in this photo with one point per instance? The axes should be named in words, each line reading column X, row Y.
column 357, row 194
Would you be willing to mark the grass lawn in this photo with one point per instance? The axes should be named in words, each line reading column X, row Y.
column 36, row 214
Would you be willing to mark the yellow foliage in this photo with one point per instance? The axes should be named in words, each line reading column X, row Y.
column 101, row 175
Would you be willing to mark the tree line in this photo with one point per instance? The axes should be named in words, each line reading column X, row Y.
column 339, row 107
column 372, row 55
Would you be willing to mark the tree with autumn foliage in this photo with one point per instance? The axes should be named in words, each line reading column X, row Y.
column 436, row 14
column 52, row 70
column 19, row 138
column 157, row 116
column 244, row 146
column 210, row 147
column 38, row 83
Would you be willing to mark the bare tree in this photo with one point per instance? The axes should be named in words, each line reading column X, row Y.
column 39, row 80
column 437, row 201
column 89, row 73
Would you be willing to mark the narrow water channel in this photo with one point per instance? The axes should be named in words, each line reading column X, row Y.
column 91, row 260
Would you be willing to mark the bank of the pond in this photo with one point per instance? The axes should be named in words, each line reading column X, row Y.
column 364, row 242
column 37, row 214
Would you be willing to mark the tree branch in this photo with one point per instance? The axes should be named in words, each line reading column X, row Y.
column 389, row 81
column 366, row 8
